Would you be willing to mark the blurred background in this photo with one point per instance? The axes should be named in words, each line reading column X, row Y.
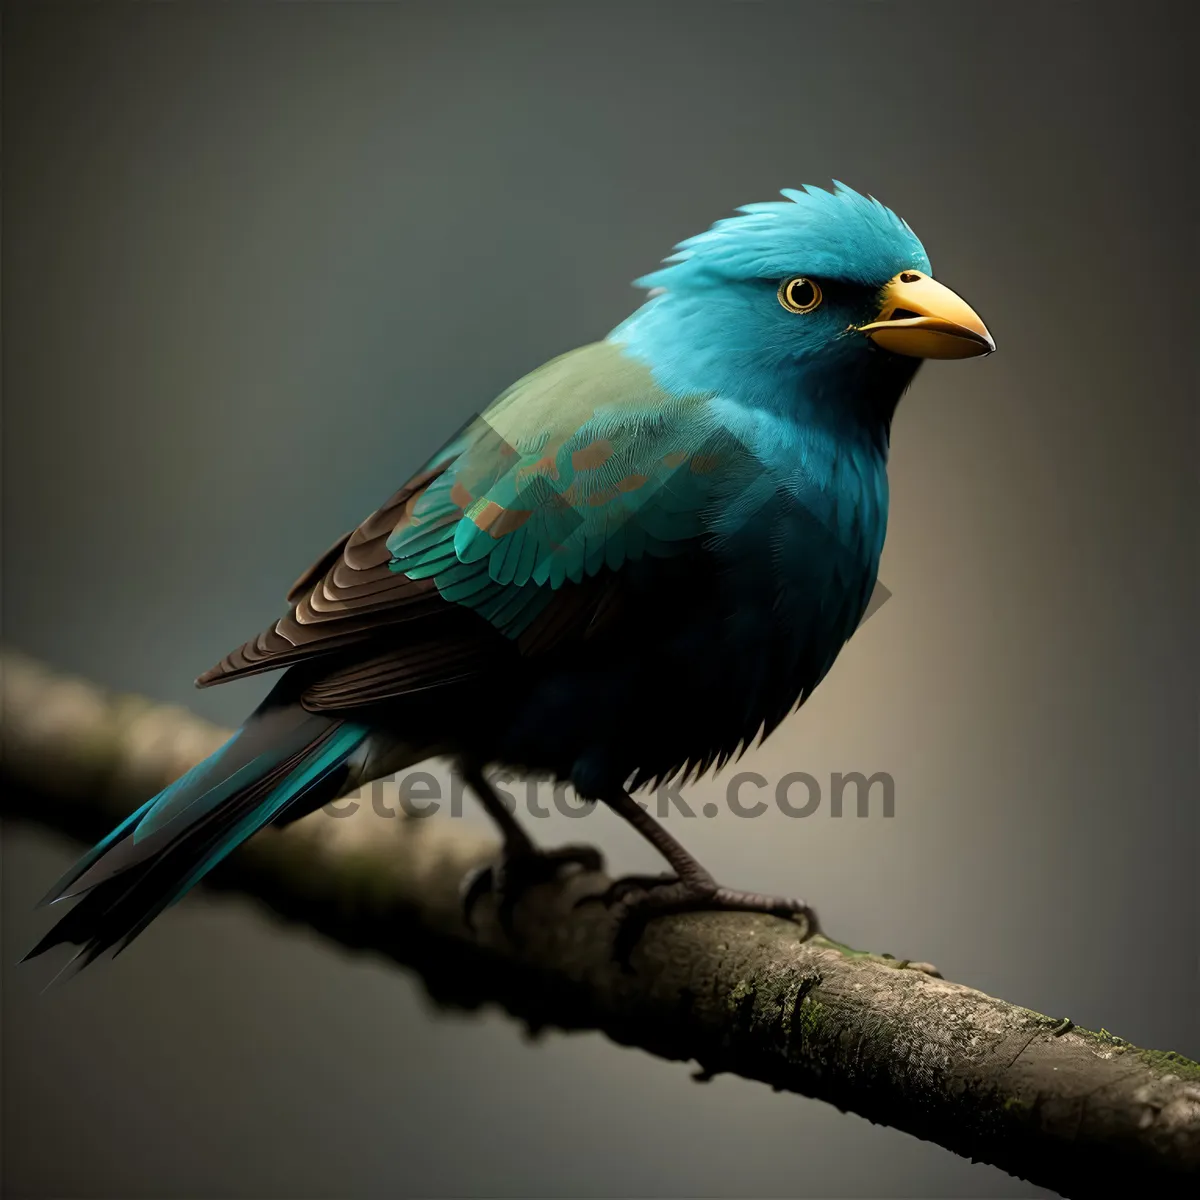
column 260, row 260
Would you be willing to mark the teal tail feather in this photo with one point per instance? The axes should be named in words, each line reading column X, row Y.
column 283, row 759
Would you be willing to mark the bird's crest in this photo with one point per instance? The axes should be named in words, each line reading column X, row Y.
column 837, row 234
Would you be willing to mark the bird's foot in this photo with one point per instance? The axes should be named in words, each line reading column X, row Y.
column 516, row 871
column 638, row 899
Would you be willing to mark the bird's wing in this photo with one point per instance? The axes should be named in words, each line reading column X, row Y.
column 525, row 519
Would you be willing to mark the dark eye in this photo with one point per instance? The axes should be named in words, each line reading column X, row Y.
column 799, row 295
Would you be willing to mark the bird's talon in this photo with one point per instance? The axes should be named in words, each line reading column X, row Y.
column 638, row 906
column 515, row 872
column 475, row 885
column 619, row 889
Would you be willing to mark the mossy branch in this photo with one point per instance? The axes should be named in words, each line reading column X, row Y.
column 1080, row 1112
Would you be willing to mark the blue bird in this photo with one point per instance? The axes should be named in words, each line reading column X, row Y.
column 636, row 562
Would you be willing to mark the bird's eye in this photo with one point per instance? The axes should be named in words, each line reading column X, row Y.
column 799, row 295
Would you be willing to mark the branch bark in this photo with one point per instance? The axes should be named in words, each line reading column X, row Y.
column 1079, row 1112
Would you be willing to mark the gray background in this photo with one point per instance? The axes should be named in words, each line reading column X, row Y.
column 259, row 260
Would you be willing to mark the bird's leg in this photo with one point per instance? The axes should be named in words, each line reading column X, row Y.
column 516, row 842
column 638, row 899
column 521, row 864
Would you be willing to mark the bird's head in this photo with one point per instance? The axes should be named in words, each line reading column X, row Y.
column 826, row 299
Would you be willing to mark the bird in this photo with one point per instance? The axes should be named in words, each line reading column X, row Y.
column 629, row 568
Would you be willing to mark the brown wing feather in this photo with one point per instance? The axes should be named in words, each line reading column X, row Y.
column 327, row 560
column 350, row 593
column 402, row 671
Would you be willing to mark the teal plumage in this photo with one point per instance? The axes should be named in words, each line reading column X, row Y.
column 635, row 563
column 154, row 857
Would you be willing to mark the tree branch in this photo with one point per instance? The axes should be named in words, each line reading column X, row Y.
column 1080, row 1112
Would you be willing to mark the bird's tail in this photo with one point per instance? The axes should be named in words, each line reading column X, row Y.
column 279, row 761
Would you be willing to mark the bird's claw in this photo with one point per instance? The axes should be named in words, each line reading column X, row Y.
column 638, row 899
column 625, row 886
column 515, row 872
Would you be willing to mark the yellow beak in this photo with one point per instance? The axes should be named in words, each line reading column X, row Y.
column 922, row 318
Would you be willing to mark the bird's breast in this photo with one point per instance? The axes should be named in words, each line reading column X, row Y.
column 712, row 647
column 755, row 625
